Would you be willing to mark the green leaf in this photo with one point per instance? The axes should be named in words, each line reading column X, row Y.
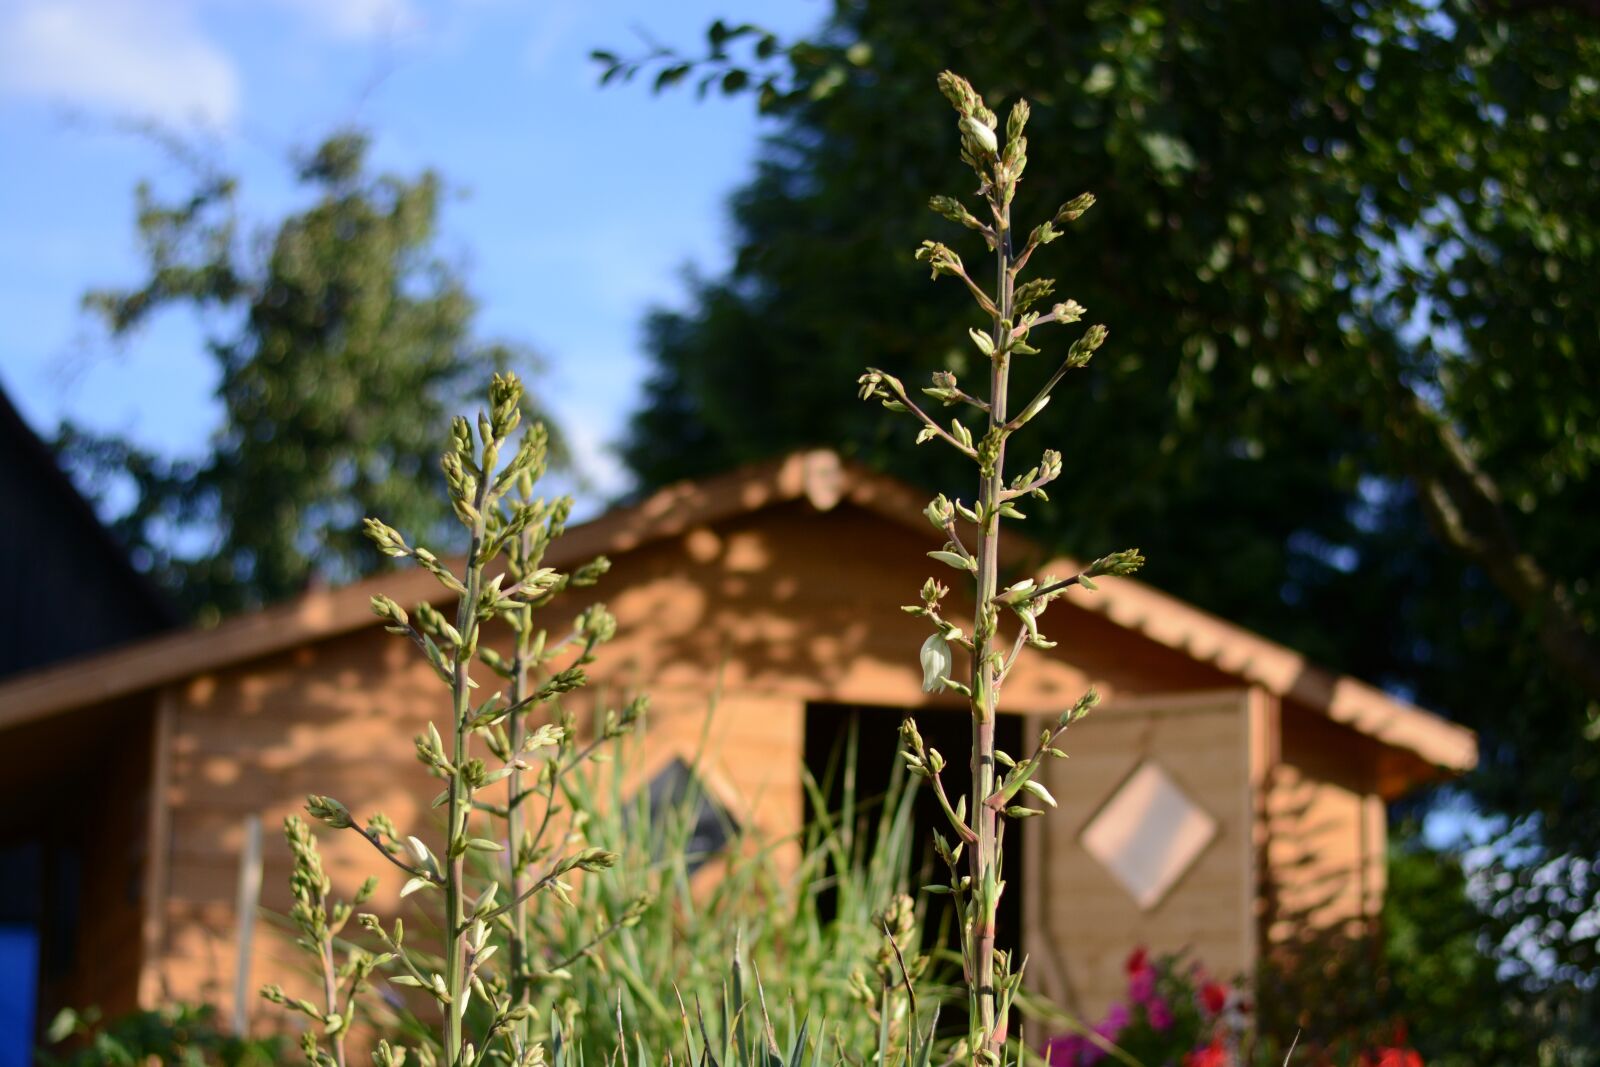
column 959, row 562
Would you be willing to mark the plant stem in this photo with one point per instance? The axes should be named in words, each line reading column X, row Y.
column 455, row 961
column 985, row 857
column 519, row 914
column 330, row 992
column 372, row 838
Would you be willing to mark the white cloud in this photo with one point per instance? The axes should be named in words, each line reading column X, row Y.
column 145, row 59
column 552, row 25
column 595, row 458
column 358, row 19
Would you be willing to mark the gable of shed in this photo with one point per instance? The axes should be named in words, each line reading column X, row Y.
column 812, row 484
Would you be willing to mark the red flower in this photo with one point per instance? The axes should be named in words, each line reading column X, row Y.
column 1398, row 1057
column 1138, row 960
column 1213, row 1055
column 1214, row 997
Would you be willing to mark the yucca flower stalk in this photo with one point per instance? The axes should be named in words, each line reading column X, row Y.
column 999, row 780
column 508, row 812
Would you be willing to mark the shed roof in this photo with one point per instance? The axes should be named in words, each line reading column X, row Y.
column 824, row 480
column 52, row 540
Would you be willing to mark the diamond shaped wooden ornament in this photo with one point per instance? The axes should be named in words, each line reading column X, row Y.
column 1148, row 834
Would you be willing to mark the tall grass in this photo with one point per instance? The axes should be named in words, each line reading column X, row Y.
column 788, row 928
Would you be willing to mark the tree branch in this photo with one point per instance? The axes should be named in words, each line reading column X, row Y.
column 1464, row 508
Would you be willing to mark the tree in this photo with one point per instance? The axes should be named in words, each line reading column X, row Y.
column 1438, row 978
column 347, row 343
column 1350, row 239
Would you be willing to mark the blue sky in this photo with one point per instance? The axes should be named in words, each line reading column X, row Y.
column 578, row 207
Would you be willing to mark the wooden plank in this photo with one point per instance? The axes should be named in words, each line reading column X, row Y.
column 157, row 837
column 1203, row 743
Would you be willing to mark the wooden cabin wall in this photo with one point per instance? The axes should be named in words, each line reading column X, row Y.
column 751, row 619
column 1083, row 922
column 1325, row 857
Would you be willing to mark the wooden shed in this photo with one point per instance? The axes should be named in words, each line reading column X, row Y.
column 69, row 591
column 1225, row 791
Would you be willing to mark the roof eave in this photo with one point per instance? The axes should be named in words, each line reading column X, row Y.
column 823, row 479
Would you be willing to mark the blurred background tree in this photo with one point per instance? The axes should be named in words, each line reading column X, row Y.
column 1342, row 248
column 346, row 342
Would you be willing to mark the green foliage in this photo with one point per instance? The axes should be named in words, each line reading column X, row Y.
column 535, row 936
column 1346, row 264
column 486, row 1007
column 1442, row 981
column 340, row 341
column 1433, row 979
column 758, row 902
column 176, row 1036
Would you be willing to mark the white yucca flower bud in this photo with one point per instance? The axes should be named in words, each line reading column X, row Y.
column 980, row 135
column 936, row 662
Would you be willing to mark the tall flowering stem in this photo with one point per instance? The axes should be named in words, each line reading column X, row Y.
column 502, row 770
column 999, row 779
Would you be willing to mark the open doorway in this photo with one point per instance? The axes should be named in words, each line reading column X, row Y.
column 877, row 737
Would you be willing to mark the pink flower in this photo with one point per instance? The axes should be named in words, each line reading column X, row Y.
column 1065, row 1050
column 1159, row 1014
column 1142, row 985
column 1074, row 1050
column 1114, row 1023
column 1141, row 977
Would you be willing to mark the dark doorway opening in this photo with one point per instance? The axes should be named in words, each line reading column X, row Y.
column 877, row 737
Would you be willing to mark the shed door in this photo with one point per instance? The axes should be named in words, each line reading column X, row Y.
column 1151, row 846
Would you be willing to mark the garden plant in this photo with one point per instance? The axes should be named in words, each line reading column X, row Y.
column 513, row 809
column 519, row 806
column 1001, row 781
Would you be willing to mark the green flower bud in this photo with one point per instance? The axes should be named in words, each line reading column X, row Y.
column 591, row 859
column 334, row 814
column 597, row 624
column 540, row 582
column 940, row 259
column 590, row 572
column 1017, row 120
column 962, row 96
column 386, row 609
column 384, row 537
column 1085, row 704
column 1071, row 311
column 954, row 210
column 1030, row 292
column 1119, row 564
column 1084, row 347
column 1075, row 207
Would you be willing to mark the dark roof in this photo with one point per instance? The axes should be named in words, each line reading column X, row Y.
column 68, row 586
